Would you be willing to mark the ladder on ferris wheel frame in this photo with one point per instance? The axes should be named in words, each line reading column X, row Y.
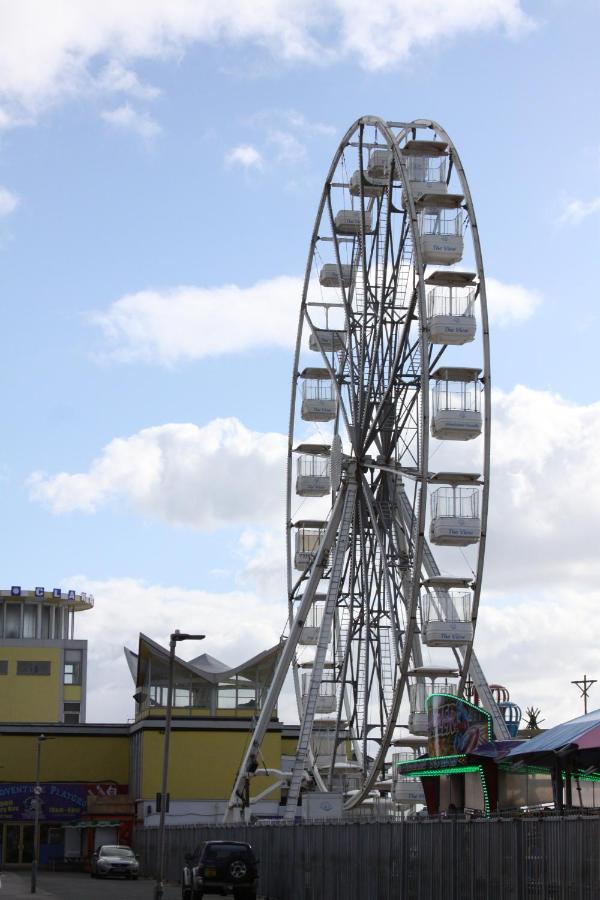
column 250, row 758
column 475, row 671
column 310, row 706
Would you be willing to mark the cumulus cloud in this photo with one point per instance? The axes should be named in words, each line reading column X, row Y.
column 244, row 155
column 510, row 303
column 575, row 211
column 218, row 475
column 129, row 119
column 8, row 202
column 157, row 610
column 538, row 626
column 58, row 56
column 188, row 322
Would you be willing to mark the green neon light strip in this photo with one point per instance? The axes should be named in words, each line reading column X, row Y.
column 410, row 762
column 458, row 770
column 451, row 770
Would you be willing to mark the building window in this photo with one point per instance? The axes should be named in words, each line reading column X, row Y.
column 72, row 673
column 29, row 620
column 45, row 622
column 33, row 667
column 71, row 713
column 13, row 620
column 3, row 667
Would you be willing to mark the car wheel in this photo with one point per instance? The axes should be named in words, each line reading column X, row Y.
column 237, row 869
column 186, row 893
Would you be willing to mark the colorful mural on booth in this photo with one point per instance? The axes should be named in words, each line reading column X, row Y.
column 456, row 726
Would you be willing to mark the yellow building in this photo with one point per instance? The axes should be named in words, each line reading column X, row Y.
column 43, row 668
column 98, row 780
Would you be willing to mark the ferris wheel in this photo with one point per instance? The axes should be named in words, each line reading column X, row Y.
column 388, row 458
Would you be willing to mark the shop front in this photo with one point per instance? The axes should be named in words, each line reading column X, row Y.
column 74, row 817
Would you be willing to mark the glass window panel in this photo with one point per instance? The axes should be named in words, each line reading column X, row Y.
column 57, row 623
column 13, row 620
column 45, row 622
column 29, row 620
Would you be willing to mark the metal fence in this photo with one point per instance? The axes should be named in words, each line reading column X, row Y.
column 453, row 859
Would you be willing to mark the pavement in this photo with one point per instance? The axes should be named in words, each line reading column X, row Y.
column 79, row 886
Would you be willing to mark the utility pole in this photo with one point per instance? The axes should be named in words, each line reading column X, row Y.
column 584, row 686
column 160, row 880
column 36, row 822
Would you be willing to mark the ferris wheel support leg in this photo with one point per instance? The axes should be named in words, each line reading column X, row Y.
column 236, row 801
column 310, row 708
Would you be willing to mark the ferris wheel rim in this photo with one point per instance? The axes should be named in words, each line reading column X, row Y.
column 393, row 142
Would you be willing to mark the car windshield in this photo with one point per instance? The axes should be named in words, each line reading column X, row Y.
column 116, row 851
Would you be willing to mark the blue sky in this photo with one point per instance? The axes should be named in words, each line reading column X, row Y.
column 175, row 158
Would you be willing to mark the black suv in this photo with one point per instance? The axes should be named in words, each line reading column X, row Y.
column 220, row 867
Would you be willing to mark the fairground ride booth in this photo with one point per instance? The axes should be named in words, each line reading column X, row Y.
column 466, row 770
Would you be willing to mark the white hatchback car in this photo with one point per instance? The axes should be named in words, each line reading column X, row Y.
column 111, row 859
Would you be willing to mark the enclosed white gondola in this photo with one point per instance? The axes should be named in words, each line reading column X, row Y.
column 451, row 300
column 446, row 608
column 427, row 165
column 378, row 167
column 309, row 635
column 427, row 680
column 326, row 698
column 309, row 534
column 332, row 275
column 440, row 228
column 455, row 519
column 368, row 188
column 456, row 414
column 319, row 400
column 313, row 470
column 406, row 791
column 327, row 340
column 349, row 221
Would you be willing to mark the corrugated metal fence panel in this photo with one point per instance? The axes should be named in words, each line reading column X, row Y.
column 451, row 859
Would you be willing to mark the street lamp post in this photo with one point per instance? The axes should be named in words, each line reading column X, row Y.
column 36, row 821
column 175, row 637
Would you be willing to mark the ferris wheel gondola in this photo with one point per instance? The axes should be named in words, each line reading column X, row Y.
column 391, row 372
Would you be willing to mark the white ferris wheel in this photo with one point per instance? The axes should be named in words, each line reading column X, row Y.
column 388, row 460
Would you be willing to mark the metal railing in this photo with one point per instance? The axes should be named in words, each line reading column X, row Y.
column 451, row 858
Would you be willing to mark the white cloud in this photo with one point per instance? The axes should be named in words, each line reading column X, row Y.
column 157, row 610
column 218, row 475
column 116, row 78
column 8, row 202
column 245, row 155
column 510, row 303
column 56, row 56
column 537, row 643
column 538, row 626
column 576, row 211
column 545, row 492
column 129, row 119
column 186, row 323
column 288, row 148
